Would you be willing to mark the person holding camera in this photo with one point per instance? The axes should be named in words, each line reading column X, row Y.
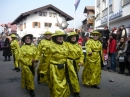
column 121, row 55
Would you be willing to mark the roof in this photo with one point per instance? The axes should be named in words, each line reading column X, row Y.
column 25, row 14
column 89, row 8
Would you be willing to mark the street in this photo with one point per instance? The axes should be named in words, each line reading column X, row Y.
column 10, row 84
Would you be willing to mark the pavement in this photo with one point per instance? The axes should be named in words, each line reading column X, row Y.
column 10, row 84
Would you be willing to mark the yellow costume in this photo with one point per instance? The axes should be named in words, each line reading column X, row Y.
column 92, row 69
column 57, row 59
column 43, row 56
column 15, row 50
column 75, row 56
column 28, row 52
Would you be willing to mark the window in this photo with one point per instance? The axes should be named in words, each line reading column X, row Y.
column 98, row 9
column 104, row 4
column 50, row 14
column 54, row 14
column 48, row 24
column 24, row 25
column 40, row 13
column 36, row 24
column 45, row 14
column 56, row 24
column 21, row 27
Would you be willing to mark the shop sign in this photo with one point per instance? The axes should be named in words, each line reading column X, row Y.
column 112, row 16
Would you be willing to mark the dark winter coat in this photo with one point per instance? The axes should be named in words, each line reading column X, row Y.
column 106, row 34
column 7, row 49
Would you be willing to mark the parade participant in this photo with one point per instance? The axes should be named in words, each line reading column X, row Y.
column 58, row 52
column 74, row 60
column 27, row 55
column 91, row 75
column 41, row 54
column 15, row 51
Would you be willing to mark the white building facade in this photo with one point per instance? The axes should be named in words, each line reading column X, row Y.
column 39, row 20
column 119, row 13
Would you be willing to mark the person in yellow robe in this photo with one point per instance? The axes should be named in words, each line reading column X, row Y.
column 41, row 54
column 91, row 75
column 27, row 56
column 75, row 58
column 15, row 51
column 58, row 52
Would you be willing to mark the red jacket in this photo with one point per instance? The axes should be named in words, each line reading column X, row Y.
column 80, row 41
column 112, row 46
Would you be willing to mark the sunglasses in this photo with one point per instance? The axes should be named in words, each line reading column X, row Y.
column 95, row 35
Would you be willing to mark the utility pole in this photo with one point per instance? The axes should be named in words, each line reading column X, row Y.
column 108, row 13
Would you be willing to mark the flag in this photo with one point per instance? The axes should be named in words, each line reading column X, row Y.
column 76, row 4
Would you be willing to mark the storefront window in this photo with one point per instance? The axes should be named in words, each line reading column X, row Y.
column 110, row 2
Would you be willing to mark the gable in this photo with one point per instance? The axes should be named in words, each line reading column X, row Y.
column 47, row 7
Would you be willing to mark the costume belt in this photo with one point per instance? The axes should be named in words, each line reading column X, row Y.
column 59, row 66
column 74, row 64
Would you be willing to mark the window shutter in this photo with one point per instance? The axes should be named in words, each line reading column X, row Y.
column 32, row 24
column 49, row 24
column 24, row 25
column 21, row 27
column 38, row 24
column 56, row 24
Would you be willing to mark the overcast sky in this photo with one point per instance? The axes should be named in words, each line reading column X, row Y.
column 11, row 9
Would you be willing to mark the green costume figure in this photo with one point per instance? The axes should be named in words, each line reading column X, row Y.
column 91, row 75
column 41, row 54
column 58, row 53
column 15, row 51
column 74, row 60
column 27, row 56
